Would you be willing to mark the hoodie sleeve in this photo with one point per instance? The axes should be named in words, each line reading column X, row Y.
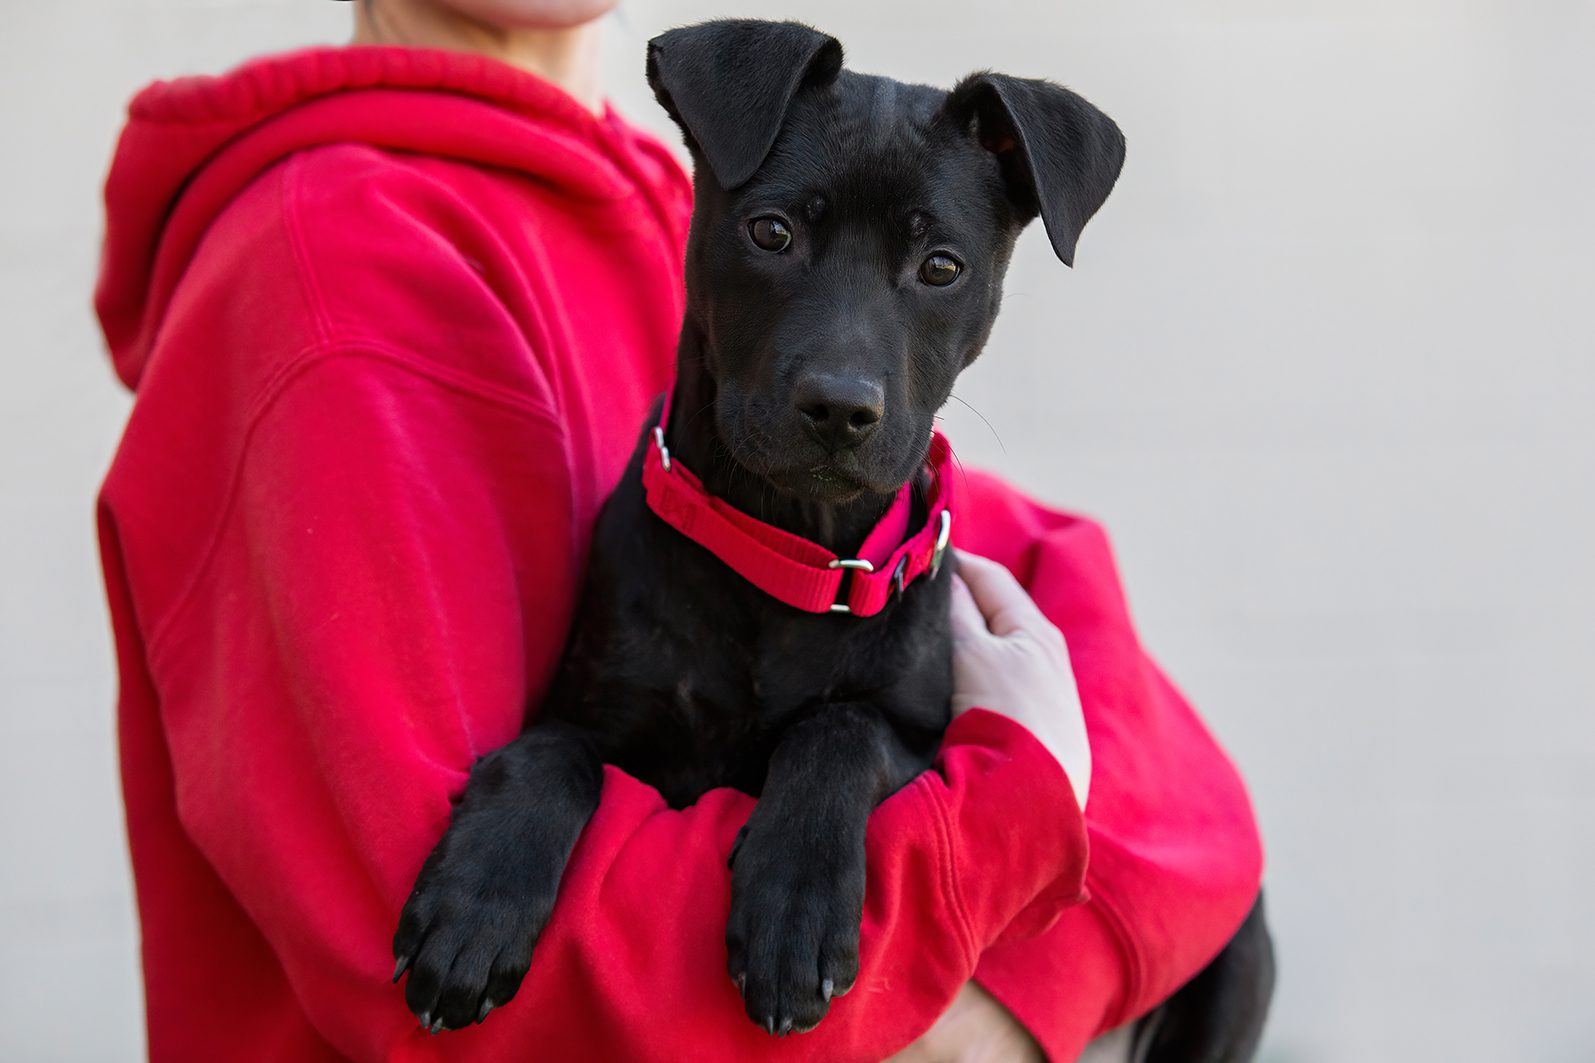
column 1175, row 853
column 396, row 571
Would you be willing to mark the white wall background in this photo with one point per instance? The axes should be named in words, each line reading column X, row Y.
column 1326, row 368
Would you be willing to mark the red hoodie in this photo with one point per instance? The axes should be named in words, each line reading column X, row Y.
column 394, row 318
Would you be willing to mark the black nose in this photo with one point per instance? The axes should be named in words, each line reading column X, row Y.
column 839, row 411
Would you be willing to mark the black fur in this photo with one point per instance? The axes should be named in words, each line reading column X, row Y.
column 807, row 382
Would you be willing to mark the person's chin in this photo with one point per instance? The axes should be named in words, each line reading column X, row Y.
column 534, row 14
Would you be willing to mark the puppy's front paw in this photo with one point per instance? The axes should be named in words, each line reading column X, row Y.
column 792, row 938
column 466, row 934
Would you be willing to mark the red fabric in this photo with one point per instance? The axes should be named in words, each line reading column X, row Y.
column 393, row 318
column 795, row 570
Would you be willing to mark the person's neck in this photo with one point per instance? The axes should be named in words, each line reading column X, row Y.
column 692, row 436
column 567, row 57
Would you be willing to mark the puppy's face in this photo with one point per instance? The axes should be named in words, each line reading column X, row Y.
column 843, row 287
column 849, row 239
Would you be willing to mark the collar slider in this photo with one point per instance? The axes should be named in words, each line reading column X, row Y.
column 664, row 451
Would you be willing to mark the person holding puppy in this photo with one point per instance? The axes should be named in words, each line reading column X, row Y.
column 393, row 313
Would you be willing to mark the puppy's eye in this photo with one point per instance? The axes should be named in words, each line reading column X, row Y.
column 770, row 233
column 939, row 270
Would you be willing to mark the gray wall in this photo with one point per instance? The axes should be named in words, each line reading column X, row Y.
column 1324, row 368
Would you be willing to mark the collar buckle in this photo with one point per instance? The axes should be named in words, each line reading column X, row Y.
column 857, row 564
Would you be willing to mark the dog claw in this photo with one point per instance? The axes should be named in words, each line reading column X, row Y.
column 487, row 1006
column 400, row 967
column 742, row 983
column 827, row 987
column 426, row 1019
column 437, row 1025
column 769, row 1025
column 785, row 1028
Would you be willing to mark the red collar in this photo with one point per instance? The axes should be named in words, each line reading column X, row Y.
column 795, row 570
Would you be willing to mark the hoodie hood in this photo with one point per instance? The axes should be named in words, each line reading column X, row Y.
column 191, row 145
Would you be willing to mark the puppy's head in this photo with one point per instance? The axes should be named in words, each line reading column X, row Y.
column 850, row 236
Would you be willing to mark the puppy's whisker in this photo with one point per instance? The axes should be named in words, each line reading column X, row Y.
column 958, row 463
column 988, row 424
column 703, row 410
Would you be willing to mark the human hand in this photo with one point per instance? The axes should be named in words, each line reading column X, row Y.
column 975, row 1028
column 1010, row 659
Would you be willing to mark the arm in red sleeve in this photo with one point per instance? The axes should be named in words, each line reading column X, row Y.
column 1175, row 853
column 395, row 575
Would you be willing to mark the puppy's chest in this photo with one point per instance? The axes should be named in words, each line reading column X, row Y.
column 720, row 691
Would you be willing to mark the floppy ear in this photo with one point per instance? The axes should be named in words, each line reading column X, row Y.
column 1059, row 154
column 728, row 85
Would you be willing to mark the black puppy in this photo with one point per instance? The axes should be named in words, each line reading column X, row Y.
column 845, row 263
